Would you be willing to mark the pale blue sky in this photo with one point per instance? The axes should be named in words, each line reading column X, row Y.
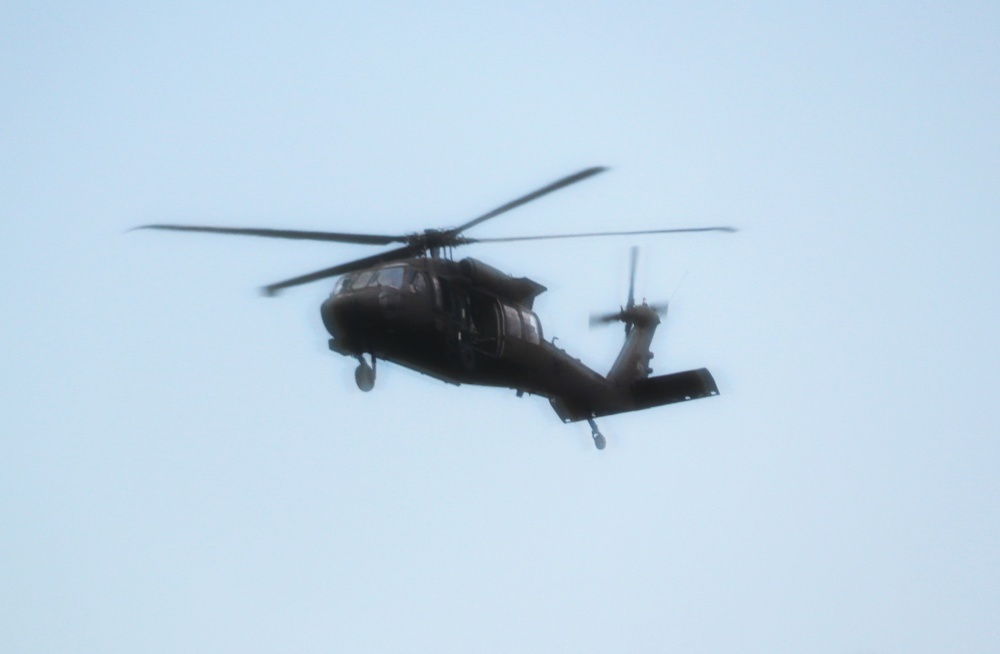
column 185, row 468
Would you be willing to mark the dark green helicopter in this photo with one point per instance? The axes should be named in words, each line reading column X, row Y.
column 465, row 322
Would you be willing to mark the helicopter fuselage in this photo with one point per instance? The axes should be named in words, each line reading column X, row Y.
column 461, row 322
column 468, row 323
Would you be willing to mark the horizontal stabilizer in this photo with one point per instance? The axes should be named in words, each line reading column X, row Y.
column 642, row 394
column 677, row 387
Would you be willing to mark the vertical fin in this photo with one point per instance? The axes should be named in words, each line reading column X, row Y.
column 632, row 363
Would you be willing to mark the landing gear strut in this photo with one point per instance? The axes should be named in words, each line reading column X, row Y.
column 364, row 375
column 599, row 440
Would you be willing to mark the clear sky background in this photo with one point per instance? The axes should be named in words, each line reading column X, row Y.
column 184, row 467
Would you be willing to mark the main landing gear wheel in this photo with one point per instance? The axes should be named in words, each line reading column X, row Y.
column 599, row 440
column 364, row 375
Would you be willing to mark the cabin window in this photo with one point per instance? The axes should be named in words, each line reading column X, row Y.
column 343, row 285
column 532, row 330
column 511, row 322
column 392, row 277
column 438, row 302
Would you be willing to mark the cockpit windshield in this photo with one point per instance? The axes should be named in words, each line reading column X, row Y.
column 362, row 280
column 391, row 277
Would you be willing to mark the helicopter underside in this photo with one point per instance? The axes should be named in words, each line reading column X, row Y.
column 575, row 391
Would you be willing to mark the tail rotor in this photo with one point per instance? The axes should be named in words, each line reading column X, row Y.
column 631, row 314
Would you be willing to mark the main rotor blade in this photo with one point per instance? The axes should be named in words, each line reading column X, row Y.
column 384, row 257
column 534, row 195
column 365, row 239
column 511, row 239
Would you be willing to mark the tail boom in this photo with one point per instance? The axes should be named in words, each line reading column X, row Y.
column 641, row 394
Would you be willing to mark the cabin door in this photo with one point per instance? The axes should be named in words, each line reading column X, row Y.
column 484, row 312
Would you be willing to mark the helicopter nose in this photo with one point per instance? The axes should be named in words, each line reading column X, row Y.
column 351, row 314
column 326, row 313
column 334, row 312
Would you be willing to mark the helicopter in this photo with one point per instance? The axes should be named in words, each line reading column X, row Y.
column 466, row 322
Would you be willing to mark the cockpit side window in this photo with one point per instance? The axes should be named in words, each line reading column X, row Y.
column 419, row 282
column 392, row 277
column 532, row 329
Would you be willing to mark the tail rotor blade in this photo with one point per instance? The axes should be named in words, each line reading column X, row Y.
column 631, row 278
column 597, row 319
column 660, row 308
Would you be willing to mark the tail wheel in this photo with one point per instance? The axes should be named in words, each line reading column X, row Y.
column 599, row 441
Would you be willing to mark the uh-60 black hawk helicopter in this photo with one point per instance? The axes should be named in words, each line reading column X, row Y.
column 465, row 322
